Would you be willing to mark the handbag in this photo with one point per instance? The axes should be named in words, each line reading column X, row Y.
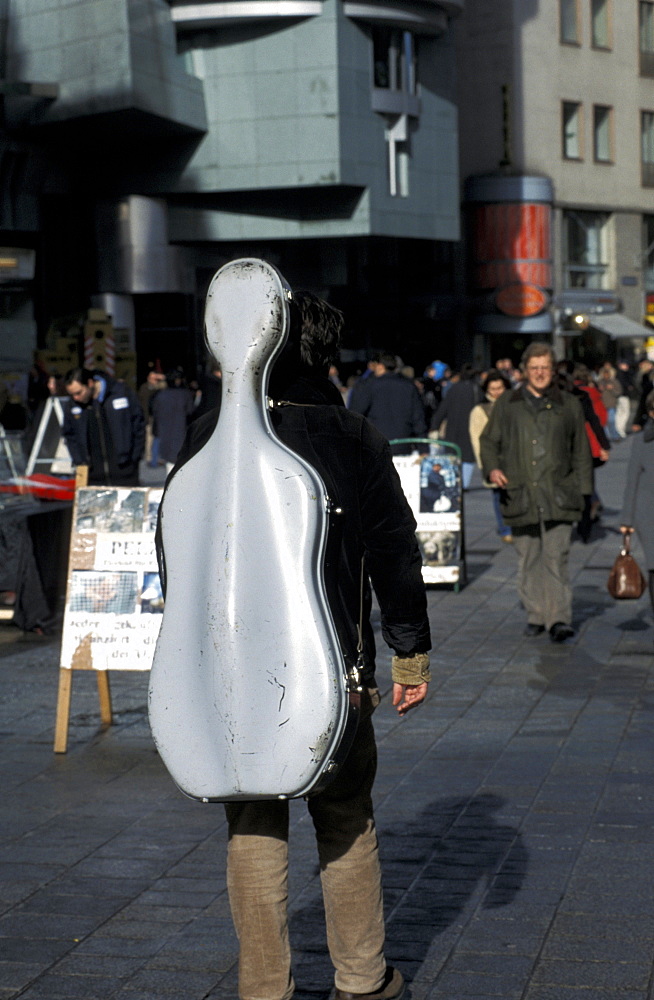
column 626, row 582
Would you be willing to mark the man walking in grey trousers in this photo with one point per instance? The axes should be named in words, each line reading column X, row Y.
column 535, row 449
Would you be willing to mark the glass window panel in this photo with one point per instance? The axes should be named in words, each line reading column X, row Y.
column 381, row 39
column 648, row 137
column 646, row 26
column 410, row 62
column 586, row 245
column 647, row 148
column 395, row 60
column 600, row 23
column 648, row 246
column 571, row 130
column 569, row 21
column 602, row 133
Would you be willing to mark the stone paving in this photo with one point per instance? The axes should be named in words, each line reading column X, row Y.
column 514, row 809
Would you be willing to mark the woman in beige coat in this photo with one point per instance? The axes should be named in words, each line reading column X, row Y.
column 493, row 386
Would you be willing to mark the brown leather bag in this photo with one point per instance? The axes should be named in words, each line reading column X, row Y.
column 626, row 582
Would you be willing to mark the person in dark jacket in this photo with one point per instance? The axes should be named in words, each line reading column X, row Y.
column 354, row 461
column 171, row 411
column 211, row 387
column 390, row 402
column 645, row 386
column 455, row 408
column 535, row 450
column 103, row 427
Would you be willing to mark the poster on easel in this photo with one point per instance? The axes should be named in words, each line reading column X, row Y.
column 114, row 601
column 49, row 454
column 431, row 480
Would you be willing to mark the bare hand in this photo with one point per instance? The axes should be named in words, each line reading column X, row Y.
column 604, row 455
column 407, row 696
column 626, row 529
column 497, row 478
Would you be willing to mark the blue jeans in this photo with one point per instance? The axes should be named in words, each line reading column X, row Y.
column 611, row 429
column 502, row 528
column 467, row 469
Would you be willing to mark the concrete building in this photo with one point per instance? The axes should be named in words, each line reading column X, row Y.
column 557, row 157
column 147, row 142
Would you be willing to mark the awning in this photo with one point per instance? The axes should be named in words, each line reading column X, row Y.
column 618, row 326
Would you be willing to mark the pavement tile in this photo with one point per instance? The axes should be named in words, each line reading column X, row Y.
column 565, row 993
column 514, row 812
column 54, row 987
column 591, row 975
column 14, row 976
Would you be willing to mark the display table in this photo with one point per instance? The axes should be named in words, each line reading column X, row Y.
column 34, row 540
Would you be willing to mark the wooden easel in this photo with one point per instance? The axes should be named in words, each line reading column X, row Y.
column 66, row 673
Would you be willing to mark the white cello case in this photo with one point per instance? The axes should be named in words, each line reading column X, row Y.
column 248, row 690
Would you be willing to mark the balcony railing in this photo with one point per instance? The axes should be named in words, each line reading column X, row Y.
column 224, row 12
column 422, row 16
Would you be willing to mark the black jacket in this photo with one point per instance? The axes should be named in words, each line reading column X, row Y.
column 113, row 444
column 392, row 403
column 354, row 462
column 542, row 448
column 455, row 407
column 171, row 412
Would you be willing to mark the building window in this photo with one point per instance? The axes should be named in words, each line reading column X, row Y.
column 600, row 27
column 586, row 249
column 647, row 148
column 646, row 25
column 569, row 23
column 572, row 130
column 648, row 255
column 602, row 134
column 395, row 60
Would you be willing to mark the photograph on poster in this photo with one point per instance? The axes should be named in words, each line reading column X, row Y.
column 432, row 486
column 154, row 499
column 103, row 593
column 438, row 548
column 440, row 484
column 152, row 601
column 110, row 510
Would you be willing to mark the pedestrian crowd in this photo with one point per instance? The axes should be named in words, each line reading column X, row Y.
column 110, row 428
column 536, row 432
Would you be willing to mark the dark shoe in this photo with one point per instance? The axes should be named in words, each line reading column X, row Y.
column 559, row 632
column 534, row 629
column 391, row 989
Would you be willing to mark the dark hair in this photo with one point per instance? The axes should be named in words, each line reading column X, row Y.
column 467, row 372
column 317, row 327
column 81, row 375
column 388, row 360
column 494, row 375
column 581, row 374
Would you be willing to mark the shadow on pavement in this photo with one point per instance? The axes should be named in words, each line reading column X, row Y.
column 435, row 863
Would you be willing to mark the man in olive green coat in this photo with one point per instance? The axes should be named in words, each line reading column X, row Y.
column 535, row 449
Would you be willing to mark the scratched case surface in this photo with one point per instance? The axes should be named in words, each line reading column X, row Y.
column 248, row 689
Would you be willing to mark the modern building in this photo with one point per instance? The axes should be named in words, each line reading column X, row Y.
column 557, row 158
column 146, row 142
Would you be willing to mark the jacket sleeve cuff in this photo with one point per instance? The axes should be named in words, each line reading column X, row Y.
column 411, row 669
